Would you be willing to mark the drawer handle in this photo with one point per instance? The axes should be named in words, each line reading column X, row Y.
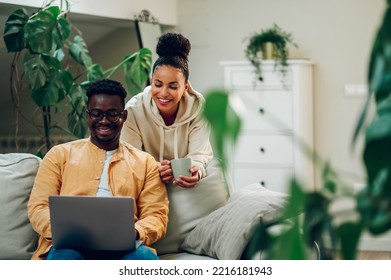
column 261, row 110
column 262, row 150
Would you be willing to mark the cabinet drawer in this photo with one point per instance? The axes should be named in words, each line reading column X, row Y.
column 273, row 179
column 267, row 110
column 246, row 78
column 264, row 149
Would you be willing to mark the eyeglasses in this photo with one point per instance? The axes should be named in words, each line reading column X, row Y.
column 111, row 115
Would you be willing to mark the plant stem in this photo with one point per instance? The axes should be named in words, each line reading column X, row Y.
column 14, row 89
column 46, row 125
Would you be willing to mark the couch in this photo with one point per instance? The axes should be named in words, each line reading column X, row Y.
column 207, row 222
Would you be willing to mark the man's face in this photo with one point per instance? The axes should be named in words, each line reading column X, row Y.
column 105, row 119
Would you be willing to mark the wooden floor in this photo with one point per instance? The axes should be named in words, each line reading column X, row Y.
column 374, row 255
column 361, row 255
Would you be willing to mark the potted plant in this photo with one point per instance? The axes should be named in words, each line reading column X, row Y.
column 271, row 43
column 57, row 67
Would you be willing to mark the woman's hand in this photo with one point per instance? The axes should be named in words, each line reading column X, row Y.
column 188, row 181
column 165, row 171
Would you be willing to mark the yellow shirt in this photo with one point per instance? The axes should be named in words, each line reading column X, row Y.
column 75, row 168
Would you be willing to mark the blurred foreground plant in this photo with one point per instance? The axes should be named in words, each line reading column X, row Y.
column 333, row 216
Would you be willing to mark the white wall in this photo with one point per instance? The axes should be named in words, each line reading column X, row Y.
column 164, row 10
column 336, row 34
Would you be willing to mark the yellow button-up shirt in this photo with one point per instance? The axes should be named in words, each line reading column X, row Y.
column 75, row 168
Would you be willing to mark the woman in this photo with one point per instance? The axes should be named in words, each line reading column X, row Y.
column 165, row 119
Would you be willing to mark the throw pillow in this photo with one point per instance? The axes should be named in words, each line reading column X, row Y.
column 18, row 240
column 225, row 233
column 189, row 206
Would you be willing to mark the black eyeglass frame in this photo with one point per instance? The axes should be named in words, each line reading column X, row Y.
column 100, row 114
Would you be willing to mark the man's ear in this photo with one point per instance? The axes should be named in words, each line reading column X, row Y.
column 125, row 115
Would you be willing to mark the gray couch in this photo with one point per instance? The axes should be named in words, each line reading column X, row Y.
column 204, row 223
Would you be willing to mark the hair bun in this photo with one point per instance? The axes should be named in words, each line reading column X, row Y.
column 173, row 44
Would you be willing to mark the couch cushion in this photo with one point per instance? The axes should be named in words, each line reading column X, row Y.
column 17, row 172
column 189, row 206
column 185, row 256
column 225, row 233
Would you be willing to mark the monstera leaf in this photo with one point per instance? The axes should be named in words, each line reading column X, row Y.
column 47, row 30
column 14, row 30
column 136, row 68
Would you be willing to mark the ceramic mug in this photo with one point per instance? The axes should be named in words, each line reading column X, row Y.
column 180, row 166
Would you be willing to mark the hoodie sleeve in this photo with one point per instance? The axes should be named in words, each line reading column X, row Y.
column 130, row 132
column 200, row 149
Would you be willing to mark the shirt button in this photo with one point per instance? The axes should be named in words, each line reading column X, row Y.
column 97, row 177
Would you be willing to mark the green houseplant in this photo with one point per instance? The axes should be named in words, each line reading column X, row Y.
column 56, row 65
column 333, row 216
column 271, row 43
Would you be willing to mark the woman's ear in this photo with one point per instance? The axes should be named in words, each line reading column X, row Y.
column 187, row 85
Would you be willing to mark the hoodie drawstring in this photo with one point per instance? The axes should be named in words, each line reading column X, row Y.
column 161, row 151
column 176, row 143
column 161, row 144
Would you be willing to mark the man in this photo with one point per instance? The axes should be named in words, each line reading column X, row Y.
column 101, row 165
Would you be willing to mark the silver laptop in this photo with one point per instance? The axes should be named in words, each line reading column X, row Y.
column 92, row 222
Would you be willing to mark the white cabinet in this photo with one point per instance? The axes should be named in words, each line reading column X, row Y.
column 277, row 124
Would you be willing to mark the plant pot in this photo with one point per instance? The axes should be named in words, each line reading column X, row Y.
column 268, row 51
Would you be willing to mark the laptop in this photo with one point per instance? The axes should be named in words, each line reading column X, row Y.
column 93, row 223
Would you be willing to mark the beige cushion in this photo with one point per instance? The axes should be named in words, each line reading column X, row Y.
column 225, row 233
column 17, row 172
column 189, row 206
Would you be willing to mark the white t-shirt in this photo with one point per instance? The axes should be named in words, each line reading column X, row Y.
column 103, row 188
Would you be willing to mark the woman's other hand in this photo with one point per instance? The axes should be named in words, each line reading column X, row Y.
column 188, row 181
column 165, row 171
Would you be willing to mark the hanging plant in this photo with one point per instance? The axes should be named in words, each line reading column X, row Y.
column 279, row 39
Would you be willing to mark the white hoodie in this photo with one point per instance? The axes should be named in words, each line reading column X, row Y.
column 188, row 136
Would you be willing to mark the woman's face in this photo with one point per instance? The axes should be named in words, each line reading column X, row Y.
column 168, row 85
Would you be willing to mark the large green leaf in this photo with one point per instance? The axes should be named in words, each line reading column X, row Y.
column 54, row 90
column 78, row 99
column 79, row 51
column 94, row 72
column 374, row 203
column 40, row 69
column 378, row 139
column 47, row 30
column 286, row 242
column 349, row 235
column 77, row 123
column 14, row 30
column 225, row 123
column 379, row 70
column 136, row 69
